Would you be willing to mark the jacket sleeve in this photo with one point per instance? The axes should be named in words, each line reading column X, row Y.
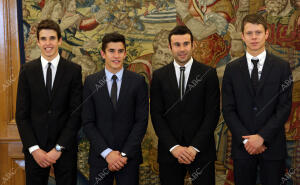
column 283, row 107
column 23, row 111
column 159, row 122
column 230, row 108
column 89, row 118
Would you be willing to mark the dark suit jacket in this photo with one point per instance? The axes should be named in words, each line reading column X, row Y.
column 44, row 120
column 264, row 113
column 190, row 122
column 121, row 130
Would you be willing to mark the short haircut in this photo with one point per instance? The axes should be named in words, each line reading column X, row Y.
column 180, row 30
column 112, row 37
column 48, row 24
column 254, row 19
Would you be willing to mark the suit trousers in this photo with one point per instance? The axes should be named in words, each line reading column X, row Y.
column 201, row 173
column 129, row 175
column 65, row 170
column 270, row 171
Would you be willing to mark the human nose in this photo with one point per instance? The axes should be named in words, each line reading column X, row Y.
column 47, row 41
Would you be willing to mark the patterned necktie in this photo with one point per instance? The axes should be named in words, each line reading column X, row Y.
column 181, row 82
column 113, row 92
column 254, row 74
column 49, row 79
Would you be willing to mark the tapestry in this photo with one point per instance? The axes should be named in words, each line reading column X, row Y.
column 216, row 26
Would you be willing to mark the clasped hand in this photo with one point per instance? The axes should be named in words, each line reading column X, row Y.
column 45, row 159
column 115, row 161
column 254, row 144
column 184, row 155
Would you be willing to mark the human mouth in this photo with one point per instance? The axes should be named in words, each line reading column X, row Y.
column 48, row 49
column 183, row 55
column 116, row 61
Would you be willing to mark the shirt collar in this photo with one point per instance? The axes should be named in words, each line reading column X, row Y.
column 119, row 74
column 188, row 64
column 54, row 62
column 261, row 57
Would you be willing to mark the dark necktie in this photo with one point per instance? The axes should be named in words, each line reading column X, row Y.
column 181, row 82
column 113, row 93
column 49, row 79
column 254, row 74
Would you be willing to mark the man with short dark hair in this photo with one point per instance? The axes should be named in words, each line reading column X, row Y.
column 185, row 110
column 257, row 98
column 48, row 111
column 115, row 117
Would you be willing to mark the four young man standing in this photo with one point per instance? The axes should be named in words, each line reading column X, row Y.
column 185, row 109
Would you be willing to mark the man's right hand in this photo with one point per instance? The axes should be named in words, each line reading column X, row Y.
column 183, row 154
column 41, row 157
column 115, row 161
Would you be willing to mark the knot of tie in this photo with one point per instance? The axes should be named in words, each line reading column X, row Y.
column 114, row 77
column 182, row 68
column 254, row 61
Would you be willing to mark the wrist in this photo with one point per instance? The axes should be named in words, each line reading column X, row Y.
column 59, row 148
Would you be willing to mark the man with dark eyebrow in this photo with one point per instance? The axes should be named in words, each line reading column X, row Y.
column 185, row 109
column 48, row 111
column 115, row 117
column 257, row 100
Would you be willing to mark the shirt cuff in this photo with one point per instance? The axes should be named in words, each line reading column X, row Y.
column 173, row 148
column 33, row 148
column 245, row 141
column 106, row 152
column 196, row 149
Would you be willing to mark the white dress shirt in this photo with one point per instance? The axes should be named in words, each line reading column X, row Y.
column 54, row 64
column 261, row 57
column 187, row 70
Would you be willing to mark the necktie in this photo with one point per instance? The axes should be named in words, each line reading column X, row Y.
column 113, row 92
column 254, row 74
column 49, row 79
column 181, row 82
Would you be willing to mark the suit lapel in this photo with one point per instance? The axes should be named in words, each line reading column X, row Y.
column 173, row 80
column 58, row 76
column 123, row 89
column 193, row 75
column 265, row 72
column 38, row 72
column 245, row 74
column 102, row 87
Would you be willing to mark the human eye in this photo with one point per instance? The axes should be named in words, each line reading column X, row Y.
column 186, row 43
column 121, row 50
column 176, row 44
column 52, row 38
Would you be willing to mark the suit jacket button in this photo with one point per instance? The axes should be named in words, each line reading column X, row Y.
column 255, row 108
column 49, row 112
